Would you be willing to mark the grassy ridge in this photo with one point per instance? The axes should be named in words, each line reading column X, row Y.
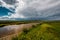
column 44, row 31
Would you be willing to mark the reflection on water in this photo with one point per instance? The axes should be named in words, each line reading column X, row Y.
column 11, row 29
column 8, row 30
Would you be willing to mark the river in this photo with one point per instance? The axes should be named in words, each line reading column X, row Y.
column 12, row 29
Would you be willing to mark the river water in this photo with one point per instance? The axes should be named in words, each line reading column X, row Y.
column 12, row 29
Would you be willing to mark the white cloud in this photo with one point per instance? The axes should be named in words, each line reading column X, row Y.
column 6, row 18
column 18, row 9
column 32, row 8
column 16, row 6
column 41, row 4
column 8, row 6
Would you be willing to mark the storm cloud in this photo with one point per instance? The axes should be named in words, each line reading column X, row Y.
column 11, row 2
column 33, row 8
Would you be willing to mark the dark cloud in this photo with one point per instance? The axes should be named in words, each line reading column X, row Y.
column 0, row 3
column 12, row 2
column 35, row 8
column 32, row 12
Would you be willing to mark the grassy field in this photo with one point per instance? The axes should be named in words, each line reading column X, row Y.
column 48, row 30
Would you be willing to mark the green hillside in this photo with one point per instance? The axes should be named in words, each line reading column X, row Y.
column 44, row 31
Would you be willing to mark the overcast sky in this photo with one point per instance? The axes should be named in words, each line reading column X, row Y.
column 12, row 9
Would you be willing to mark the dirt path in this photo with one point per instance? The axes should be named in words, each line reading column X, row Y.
column 14, row 29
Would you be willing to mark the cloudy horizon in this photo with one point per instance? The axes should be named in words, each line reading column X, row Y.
column 13, row 9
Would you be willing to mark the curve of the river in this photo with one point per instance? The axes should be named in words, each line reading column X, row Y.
column 11, row 29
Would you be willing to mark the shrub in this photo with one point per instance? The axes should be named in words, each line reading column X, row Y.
column 33, row 26
column 25, row 31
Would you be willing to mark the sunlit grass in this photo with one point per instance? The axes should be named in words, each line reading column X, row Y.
column 44, row 31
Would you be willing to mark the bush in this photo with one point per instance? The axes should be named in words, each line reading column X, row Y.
column 15, row 38
column 25, row 31
column 2, row 25
column 33, row 26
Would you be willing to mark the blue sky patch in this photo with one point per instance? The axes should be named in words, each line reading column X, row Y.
column 4, row 11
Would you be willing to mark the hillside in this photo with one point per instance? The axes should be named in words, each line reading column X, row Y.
column 44, row 31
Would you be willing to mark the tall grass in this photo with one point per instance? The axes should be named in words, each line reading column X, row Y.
column 44, row 31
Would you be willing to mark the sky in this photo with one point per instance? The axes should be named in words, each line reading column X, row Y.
column 25, row 9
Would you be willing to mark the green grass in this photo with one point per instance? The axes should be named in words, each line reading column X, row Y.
column 44, row 31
